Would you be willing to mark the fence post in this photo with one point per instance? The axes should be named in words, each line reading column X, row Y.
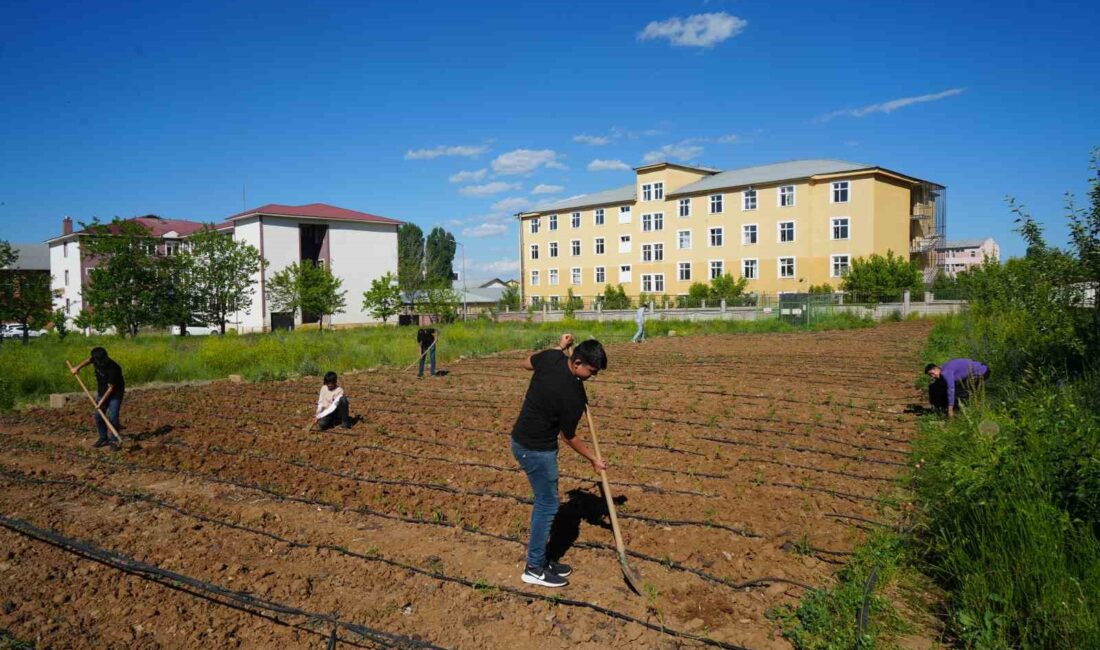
column 928, row 297
column 704, row 303
column 723, row 305
column 905, row 304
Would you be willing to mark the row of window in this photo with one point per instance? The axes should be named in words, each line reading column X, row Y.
column 840, row 228
column 785, row 197
column 750, row 270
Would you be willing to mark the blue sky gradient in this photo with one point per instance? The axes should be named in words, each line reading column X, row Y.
column 130, row 108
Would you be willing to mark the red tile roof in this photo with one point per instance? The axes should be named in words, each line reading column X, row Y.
column 159, row 227
column 314, row 211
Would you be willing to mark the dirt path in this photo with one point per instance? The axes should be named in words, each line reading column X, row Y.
column 747, row 467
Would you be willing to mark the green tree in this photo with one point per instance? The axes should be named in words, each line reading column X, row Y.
column 614, row 297
column 29, row 299
column 60, row 323
column 384, row 297
column 219, row 275
column 441, row 301
column 410, row 257
column 821, row 288
column 728, row 289
column 307, row 288
column 7, row 258
column 509, row 298
column 125, row 287
column 879, row 278
column 572, row 304
column 439, row 256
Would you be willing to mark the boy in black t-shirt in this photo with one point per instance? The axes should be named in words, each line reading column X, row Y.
column 554, row 403
column 110, row 389
column 427, row 337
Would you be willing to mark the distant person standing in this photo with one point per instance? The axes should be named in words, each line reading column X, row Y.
column 427, row 338
column 110, row 389
column 639, row 318
column 332, row 405
column 959, row 377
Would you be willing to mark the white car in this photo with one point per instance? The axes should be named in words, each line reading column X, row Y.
column 195, row 330
column 16, row 332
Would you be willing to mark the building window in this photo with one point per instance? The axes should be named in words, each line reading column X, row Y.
column 786, row 231
column 575, row 275
column 655, row 221
column 748, row 234
column 66, row 277
column 553, row 222
column 717, row 269
column 839, row 266
column 840, row 228
column 535, row 226
column 786, row 267
column 840, row 192
column 601, row 275
column 716, row 203
column 553, row 277
column 685, row 207
column 65, row 249
column 658, row 252
column 68, row 306
column 750, row 268
column 647, row 283
column 748, row 200
column 683, row 239
column 647, row 192
column 624, row 273
column 599, row 246
column 534, row 278
column 786, row 196
column 654, row 283
column 534, row 251
column 575, row 247
column 624, row 214
column 658, row 191
column 716, row 237
column 684, row 270
column 599, row 216
column 553, row 249
column 647, row 252
column 624, row 243
column 575, row 221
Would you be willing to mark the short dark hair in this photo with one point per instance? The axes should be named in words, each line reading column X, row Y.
column 330, row 377
column 591, row 353
column 929, row 367
column 98, row 355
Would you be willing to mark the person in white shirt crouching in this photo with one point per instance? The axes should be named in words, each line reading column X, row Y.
column 332, row 406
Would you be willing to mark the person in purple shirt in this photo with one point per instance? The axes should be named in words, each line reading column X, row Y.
column 961, row 376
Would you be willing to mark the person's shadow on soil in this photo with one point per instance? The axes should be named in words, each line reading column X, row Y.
column 155, row 433
column 580, row 505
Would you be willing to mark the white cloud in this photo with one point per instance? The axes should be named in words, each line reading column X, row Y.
column 699, row 30
column 484, row 230
column 488, row 189
column 498, row 266
column 469, row 151
column 891, row 106
column 594, row 140
column 455, row 222
column 543, row 188
column 511, row 204
column 726, row 139
column 465, row 177
column 681, row 151
column 607, row 165
column 525, row 161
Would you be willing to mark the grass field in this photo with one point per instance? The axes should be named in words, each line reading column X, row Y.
column 28, row 373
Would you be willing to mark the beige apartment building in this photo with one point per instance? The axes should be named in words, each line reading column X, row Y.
column 784, row 227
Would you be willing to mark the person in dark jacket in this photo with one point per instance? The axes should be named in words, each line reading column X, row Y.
column 427, row 338
column 110, row 389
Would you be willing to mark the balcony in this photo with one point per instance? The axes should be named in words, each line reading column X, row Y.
column 923, row 244
column 921, row 212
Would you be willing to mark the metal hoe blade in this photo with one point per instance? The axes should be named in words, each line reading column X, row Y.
column 629, row 575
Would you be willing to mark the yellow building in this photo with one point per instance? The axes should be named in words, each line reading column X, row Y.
column 784, row 227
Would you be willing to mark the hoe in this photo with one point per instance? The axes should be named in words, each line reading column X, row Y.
column 103, row 415
column 632, row 579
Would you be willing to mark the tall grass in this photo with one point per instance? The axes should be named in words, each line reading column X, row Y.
column 30, row 372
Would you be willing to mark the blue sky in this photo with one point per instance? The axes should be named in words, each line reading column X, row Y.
column 115, row 108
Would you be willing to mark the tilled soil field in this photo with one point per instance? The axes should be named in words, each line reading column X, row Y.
column 746, row 468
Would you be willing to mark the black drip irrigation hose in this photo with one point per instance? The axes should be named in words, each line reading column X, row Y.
column 799, row 448
column 481, row 586
column 862, row 477
column 206, row 590
column 863, row 617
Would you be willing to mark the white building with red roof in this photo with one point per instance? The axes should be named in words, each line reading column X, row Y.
column 357, row 246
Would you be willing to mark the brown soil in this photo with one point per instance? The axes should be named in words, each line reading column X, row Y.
column 747, row 468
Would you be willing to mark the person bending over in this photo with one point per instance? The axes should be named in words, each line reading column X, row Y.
column 110, row 389
column 553, row 406
column 332, row 406
column 959, row 377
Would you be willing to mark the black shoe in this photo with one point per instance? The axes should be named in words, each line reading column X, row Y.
column 101, row 443
column 543, row 577
column 563, row 570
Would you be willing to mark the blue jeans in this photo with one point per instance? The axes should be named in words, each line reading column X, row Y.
column 542, row 472
column 429, row 355
column 640, row 334
column 111, row 408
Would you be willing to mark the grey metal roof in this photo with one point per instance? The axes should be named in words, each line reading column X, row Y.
column 962, row 243
column 31, row 257
column 769, row 174
column 622, row 194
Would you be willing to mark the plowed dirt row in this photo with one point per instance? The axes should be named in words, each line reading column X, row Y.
column 745, row 466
